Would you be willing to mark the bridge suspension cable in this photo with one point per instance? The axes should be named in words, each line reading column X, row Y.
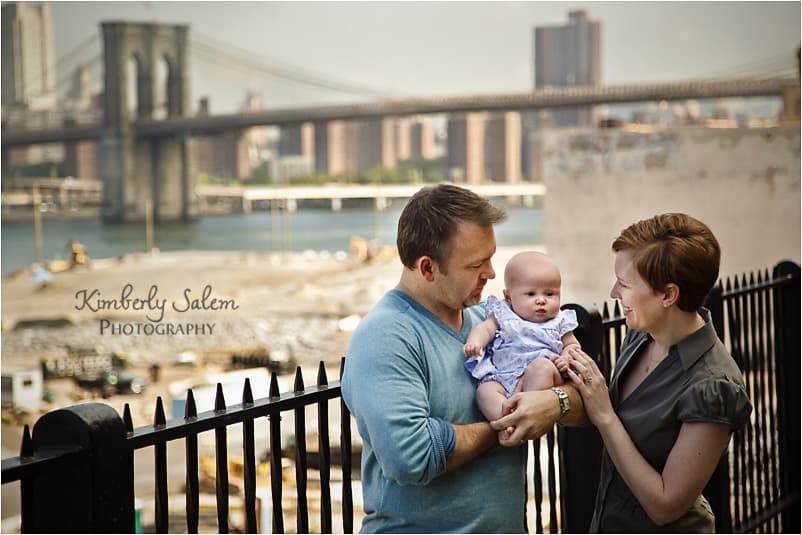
column 67, row 77
column 778, row 66
column 233, row 57
column 64, row 62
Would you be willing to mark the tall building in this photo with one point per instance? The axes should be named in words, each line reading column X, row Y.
column 403, row 149
column 330, row 147
column 224, row 154
column 257, row 137
column 421, row 139
column 371, row 143
column 503, row 147
column 234, row 153
column 352, row 147
column 80, row 159
column 297, row 139
column 81, row 91
column 466, row 151
column 29, row 76
column 566, row 56
column 28, row 68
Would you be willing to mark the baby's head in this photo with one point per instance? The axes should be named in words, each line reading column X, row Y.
column 532, row 283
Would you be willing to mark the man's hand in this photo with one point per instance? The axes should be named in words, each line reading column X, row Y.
column 530, row 415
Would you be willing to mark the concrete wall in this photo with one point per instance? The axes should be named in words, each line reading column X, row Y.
column 743, row 183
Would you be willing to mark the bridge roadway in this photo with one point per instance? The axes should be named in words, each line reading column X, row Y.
column 544, row 98
column 60, row 189
column 528, row 191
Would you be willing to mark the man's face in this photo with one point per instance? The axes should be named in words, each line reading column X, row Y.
column 460, row 282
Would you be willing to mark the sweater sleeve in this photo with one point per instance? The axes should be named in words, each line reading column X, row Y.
column 386, row 389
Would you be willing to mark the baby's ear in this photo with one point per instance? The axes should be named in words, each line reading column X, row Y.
column 507, row 297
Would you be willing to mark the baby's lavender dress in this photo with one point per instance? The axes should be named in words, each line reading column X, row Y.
column 517, row 343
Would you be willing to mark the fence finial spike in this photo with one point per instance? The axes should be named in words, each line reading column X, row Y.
column 159, row 418
column 190, row 409
column 26, row 448
column 299, row 380
column 322, row 380
column 127, row 419
column 219, row 400
column 342, row 366
column 247, row 393
column 274, row 393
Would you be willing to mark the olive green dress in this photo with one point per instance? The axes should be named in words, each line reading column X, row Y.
column 697, row 382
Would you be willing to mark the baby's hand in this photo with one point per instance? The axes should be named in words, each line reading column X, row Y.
column 472, row 349
column 562, row 362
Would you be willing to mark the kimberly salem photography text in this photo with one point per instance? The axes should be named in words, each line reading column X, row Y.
column 155, row 309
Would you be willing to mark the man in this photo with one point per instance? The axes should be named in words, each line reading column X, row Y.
column 430, row 463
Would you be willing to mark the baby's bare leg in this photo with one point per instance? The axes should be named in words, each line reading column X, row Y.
column 490, row 396
column 540, row 375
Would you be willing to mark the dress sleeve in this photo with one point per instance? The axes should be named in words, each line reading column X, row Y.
column 568, row 322
column 493, row 306
column 716, row 400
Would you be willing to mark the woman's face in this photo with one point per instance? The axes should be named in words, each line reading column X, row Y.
column 642, row 306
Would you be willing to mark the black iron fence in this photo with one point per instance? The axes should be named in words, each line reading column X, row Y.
column 76, row 470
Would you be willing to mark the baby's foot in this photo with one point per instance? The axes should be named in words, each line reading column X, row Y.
column 504, row 434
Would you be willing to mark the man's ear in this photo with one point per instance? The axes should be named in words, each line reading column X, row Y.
column 425, row 267
column 670, row 294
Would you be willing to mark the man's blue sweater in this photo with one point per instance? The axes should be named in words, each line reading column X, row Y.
column 405, row 383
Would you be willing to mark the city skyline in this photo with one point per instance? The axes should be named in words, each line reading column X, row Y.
column 399, row 49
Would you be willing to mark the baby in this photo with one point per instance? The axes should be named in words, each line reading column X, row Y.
column 520, row 334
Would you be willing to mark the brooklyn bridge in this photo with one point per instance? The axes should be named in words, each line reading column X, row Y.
column 143, row 158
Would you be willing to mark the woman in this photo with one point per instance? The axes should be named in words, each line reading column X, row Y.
column 676, row 395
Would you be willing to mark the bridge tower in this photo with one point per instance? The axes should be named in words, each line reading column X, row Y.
column 146, row 77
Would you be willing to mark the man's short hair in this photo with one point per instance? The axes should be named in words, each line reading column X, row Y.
column 674, row 248
column 430, row 219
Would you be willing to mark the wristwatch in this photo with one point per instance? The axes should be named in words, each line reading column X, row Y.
column 565, row 403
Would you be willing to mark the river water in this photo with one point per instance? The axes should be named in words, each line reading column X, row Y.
column 315, row 229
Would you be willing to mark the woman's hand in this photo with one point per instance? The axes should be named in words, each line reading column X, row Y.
column 589, row 381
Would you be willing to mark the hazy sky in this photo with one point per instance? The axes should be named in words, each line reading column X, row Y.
column 431, row 48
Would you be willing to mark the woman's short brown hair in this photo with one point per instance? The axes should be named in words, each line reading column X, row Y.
column 674, row 248
column 430, row 218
